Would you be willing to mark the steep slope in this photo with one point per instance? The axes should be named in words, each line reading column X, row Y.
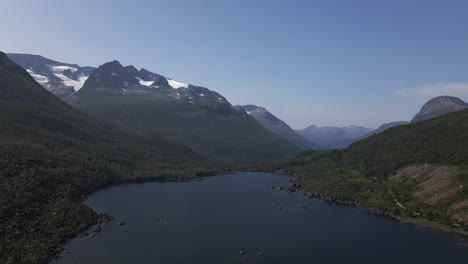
column 330, row 136
column 380, row 129
column 51, row 156
column 439, row 106
column 196, row 116
column 61, row 79
column 112, row 79
column 277, row 126
column 416, row 171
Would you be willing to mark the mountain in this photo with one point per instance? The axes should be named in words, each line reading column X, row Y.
column 112, row 79
column 439, row 106
column 277, row 126
column 386, row 126
column 329, row 136
column 380, row 129
column 433, row 108
column 416, row 172
column 193, row 115
column 52, row 156
column 61, row 79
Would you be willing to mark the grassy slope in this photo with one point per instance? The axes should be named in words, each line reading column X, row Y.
column 214, row 130
column 359, row 174
column 51, row 156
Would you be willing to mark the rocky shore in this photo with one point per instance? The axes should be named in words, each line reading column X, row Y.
column 296, row 187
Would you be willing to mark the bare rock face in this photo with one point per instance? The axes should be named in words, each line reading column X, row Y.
column 61, row 79
column 439, row 106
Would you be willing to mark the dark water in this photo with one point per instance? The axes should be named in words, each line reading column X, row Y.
column 210, row 221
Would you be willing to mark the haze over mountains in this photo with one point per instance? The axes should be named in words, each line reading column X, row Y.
column 148, row 102
column 278, row 126
column 336, row 137
column 329, row 135
column 347, row 142
column 194, row 115
column 40, row 134
column 414, row 171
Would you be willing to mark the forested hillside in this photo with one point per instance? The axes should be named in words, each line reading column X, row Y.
column 369, row 172
column 51, row 156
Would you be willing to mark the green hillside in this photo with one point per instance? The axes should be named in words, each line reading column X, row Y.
column 422, row 166
column 214, row 130
column 51, row 156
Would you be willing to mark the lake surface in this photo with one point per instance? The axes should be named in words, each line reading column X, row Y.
column 210, row 221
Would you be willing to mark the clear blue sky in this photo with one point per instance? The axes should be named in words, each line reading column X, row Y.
column 309, row 62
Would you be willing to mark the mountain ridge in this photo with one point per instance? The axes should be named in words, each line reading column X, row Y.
column 380, row 129
column 193, row 115
column 62, row 79
column 277, row 126
column 112, row 78
column 328, row 136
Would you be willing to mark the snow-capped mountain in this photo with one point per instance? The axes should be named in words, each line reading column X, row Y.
column 62, row 79
column 65, row 79
column 114, row 79
column 192, row 115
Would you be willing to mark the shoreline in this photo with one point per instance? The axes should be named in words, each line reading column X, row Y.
column 59, row 247
column 291, row 188
column 406, row 220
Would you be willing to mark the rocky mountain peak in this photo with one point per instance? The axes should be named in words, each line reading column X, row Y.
column 439, row 106
column 62, row 79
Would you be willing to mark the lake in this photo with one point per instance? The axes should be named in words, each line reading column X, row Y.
column 212, row 220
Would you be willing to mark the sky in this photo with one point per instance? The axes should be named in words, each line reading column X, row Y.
column 317, row 62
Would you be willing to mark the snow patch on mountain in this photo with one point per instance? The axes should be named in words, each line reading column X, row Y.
column 176, row 84
column 58, row 69
column 145, row 83
column 41, row 79
column 76, row 84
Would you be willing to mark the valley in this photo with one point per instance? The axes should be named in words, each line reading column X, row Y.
column 127, row 125
column 371, row 172
column 233, row 132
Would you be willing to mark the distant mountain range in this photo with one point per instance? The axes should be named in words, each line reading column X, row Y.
column 329, row 136
column 187, row 113
column 416, row 172
column 347, row 142
column 336, row 137
column 151, row 103
column 278, row 126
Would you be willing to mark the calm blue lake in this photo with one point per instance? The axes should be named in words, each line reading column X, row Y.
column 210, row 221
